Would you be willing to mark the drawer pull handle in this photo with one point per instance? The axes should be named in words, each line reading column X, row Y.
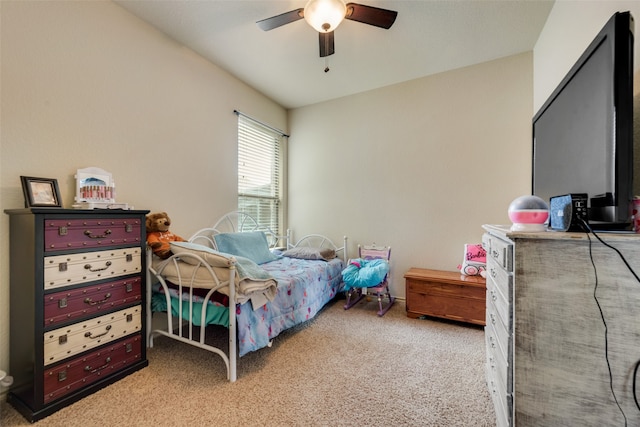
column 99, row 368
column 91, row 269
column 92, row 302
column 493, row 318
column 89, row 334
column 494, row 273
column 493, row 296
column 495, row 254
column 90, row 234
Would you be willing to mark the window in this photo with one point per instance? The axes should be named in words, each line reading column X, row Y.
column 259, row 172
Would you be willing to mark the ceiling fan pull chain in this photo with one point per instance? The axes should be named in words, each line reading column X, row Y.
column 326, row 64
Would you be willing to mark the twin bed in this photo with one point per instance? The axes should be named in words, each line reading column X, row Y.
column 274, row 288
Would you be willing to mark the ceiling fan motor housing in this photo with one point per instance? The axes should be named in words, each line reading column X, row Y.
column 324, row 15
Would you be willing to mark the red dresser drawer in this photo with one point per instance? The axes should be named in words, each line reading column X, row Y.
column 65, row 378
column 73, row 304
column 62, row 234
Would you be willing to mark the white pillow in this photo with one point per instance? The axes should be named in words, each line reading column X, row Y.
column 210, row 256
column 304, row 252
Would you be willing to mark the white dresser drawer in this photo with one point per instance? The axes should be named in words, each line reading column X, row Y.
column 497, row 396
column 74, row 339
column 502, row 252
column 72, row 269
column 499, row 302
column 497, row 358
column 502, row 279
column 503, row 337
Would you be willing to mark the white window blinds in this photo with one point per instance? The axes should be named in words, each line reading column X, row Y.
column 259, row 172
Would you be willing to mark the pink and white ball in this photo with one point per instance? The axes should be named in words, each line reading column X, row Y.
column 529, row 214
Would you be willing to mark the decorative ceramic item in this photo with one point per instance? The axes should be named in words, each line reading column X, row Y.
column 95, row 189
column 529, row 214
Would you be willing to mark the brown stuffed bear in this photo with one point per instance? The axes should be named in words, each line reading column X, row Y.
column 158, row 234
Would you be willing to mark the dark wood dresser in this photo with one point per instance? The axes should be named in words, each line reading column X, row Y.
column 446, row 294
column 76, row 305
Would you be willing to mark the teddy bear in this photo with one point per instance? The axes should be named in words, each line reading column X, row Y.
column 158, row 235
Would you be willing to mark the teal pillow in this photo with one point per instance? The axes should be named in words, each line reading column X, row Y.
column 252, row 245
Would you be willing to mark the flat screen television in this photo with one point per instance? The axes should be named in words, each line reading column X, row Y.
column 583, row 134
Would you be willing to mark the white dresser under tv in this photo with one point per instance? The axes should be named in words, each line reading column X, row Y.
column 545, row 335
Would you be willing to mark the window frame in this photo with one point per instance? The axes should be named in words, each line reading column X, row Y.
column 254, row 145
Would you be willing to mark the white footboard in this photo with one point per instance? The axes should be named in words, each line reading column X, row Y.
column 183, row 329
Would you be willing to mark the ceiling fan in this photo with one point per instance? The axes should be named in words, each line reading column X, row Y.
column 326, row 15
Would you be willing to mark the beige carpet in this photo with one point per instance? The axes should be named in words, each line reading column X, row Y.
column 343, row 368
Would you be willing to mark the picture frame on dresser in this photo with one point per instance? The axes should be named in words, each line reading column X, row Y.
column 40, row 192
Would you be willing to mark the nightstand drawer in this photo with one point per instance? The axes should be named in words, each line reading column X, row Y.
column 63, row 234
column 74, row 339
column 74, row 269
column 65, row 306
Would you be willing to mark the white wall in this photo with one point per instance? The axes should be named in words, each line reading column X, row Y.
column 419, row 166
column 569, row 29
column 88, row 84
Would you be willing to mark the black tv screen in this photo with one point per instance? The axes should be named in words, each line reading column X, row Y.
column 583, row 134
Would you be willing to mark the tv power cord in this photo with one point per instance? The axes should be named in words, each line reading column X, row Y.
column 587, row 229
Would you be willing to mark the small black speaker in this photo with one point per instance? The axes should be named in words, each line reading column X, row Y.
column 567, row 212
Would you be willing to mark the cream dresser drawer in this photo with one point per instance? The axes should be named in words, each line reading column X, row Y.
column 73, row 269
column 69, row 341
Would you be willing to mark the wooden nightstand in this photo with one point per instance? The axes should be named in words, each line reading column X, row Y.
column 447, row 294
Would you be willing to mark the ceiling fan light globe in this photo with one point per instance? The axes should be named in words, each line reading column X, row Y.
column 324, row 15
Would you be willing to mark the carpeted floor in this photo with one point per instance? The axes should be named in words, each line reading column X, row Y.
column 343, row 368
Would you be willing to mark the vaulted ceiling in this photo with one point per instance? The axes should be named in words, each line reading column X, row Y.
column 428, row 37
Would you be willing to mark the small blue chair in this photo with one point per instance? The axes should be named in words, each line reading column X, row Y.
column 370, row 271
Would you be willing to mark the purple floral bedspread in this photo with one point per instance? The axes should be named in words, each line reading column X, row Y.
column 304, row 287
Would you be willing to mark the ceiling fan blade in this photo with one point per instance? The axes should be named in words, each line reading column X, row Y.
column 280, row 20
column 326, row 44
column 375, row 16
